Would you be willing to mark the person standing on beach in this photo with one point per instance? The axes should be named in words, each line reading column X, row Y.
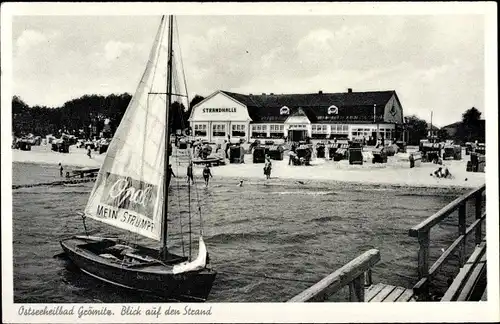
column 89, row 152
column 190, row 172
column 207, row 174
column 61, row 169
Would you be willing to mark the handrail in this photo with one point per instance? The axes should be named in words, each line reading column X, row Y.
column 422, row 232
column 351, row 273
column 444, row 212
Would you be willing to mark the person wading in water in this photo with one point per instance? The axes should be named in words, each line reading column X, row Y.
column 267, row 168
column 61, row 169
column 207, row 174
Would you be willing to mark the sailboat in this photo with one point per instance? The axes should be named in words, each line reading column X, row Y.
column 131, row 193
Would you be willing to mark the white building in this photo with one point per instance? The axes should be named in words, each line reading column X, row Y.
column 296, row 116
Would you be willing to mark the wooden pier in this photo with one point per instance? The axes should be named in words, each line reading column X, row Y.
column 468, row 285
column 85, row 171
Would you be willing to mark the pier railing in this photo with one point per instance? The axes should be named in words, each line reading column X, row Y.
column 356, row 274
column 422, row 233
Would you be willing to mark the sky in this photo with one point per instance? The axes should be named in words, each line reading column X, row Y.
column 434, row 62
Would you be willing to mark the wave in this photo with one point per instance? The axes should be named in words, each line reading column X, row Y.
column 312, row 193
column 427, row 194
column 232, row 237
column 324, row 219
column 296, row 238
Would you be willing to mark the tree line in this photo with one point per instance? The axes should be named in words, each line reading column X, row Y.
column 87, row 113
column 469, row 129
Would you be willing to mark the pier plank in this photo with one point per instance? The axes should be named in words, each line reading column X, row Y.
column 484, row 297
column 394, row 295
column 406, row 296
column 470, row 285
column 464, row 274
column 383, row 293
column 373, row 290
column 387, row 293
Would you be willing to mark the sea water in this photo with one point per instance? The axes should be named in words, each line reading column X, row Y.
column 268, row 240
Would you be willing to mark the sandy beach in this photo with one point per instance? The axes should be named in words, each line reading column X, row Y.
column 395, row 172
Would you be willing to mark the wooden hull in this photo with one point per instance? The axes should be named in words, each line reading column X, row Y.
column 157, row 279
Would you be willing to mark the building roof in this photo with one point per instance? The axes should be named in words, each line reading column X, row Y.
column 266, row 107
column 458, row 123
column 453, row 125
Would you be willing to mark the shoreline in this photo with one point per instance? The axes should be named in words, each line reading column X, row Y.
column 394, row 174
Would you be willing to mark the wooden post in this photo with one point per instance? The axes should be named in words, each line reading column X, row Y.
column 461, row 231
column 368, row 278
column 423, row 254
column 423, row 262
column 357, row 289
column 479, row 200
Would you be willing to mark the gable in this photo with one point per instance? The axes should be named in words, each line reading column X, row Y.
column 393, row 113
column 219, row 107
column 298, row 117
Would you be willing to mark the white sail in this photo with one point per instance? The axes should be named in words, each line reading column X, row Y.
column 128, row 192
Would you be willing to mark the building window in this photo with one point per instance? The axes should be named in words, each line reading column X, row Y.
column 219, row 130
column 276, row 131
column 238, row 130
column 333, row 110
column 339, row 129
column 319, row 131
column 387, row 134
column 200, row 130
column 364, row 132
column 259, row 131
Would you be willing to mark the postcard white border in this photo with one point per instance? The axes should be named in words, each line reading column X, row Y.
column 270, row 312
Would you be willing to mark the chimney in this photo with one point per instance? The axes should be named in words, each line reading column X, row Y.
column 349, row 90
column 320, row 92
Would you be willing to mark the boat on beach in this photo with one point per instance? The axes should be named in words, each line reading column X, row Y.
column 131, row 193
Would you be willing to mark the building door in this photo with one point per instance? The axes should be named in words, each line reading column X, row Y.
column 295, row 135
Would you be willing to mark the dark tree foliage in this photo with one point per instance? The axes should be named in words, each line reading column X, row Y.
column 37, row 120
column 179, row 115
column 417, row 129
column 181, row 120
column 196, row 100
column 86, row 113
column 472, row 127
column 177, row 118
column 75, row 115
column 442, row 134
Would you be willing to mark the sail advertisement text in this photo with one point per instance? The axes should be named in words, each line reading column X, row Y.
column 130, row 194
column 132, row 221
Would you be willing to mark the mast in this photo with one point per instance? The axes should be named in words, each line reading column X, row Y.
column 167, row 136
column 431, row 133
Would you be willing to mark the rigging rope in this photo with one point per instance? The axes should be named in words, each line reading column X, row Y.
column 158, row 51
column 183, row 123
column 179, row 204
column 182, row 63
